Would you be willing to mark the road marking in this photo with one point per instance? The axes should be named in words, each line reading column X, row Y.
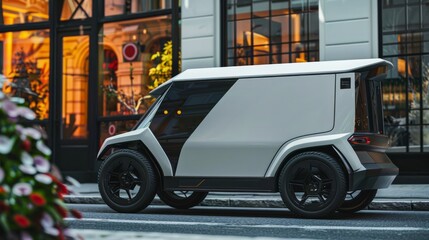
column 212, row 224
column 115, row 235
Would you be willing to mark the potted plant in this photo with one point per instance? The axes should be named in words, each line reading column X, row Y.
column 31, row 197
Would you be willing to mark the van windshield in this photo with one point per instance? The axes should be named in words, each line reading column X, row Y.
column 369, row 111
column 153, row 99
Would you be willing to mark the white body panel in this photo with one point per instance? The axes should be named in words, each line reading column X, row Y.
column 267, row 112
column 343, row 129
column 271, row 70
column 148, row 139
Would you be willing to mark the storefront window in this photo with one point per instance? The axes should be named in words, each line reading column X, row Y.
column 405, row 43
column 128, row 53
column 263, row 31
column 111, row 128
column 73, row 9
column 119, row 7
column 25, row 65
column 23, row 11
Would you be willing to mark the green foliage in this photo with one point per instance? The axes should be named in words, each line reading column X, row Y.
column 164, row 67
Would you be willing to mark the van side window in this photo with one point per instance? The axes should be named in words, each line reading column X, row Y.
column 183, row 108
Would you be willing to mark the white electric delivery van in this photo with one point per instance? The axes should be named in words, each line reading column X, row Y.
column 311, row 131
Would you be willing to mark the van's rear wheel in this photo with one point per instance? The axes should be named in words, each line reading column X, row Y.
column 312, row 185
column 357, row 200
column 182, row 199
column 127, row 181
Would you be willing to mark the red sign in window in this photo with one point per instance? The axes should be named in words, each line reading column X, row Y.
column 130, row 52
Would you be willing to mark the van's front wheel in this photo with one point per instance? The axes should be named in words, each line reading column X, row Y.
column 312, row 185
column 127, row 181
column 182, row 199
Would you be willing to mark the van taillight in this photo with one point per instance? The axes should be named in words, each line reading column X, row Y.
column 359, row 140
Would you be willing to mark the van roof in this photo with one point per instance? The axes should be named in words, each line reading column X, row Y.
column 285, row 69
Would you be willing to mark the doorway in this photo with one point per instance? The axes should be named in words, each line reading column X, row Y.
column 72, row 135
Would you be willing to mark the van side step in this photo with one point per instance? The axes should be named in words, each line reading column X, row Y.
column 220, row 184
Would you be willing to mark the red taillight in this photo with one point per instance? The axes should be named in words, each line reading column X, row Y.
column 359, row 140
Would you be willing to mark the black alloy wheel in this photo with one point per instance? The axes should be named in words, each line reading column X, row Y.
column 312, row 185
column 357, row 200
column 182, row 199
column 127, row 181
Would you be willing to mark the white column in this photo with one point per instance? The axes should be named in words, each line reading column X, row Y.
column 348, row 29
column 200, row 33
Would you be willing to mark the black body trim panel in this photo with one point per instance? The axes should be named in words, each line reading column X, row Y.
column 220, row 184
column 375, row 176
column 379, row 171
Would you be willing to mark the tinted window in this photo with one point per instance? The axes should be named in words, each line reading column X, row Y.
column 184, row 107
column 369, row 115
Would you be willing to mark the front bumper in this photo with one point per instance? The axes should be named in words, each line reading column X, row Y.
column 378, row 172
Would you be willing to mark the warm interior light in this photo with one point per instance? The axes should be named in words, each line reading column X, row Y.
column 402, row 65
column 165, row 112
column 179, row 112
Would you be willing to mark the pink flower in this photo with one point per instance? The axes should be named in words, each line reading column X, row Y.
column 46, row 220
column 42, row 165
column 28, row 132
column 22, row 189
column 13, row 111
column 26, row 159
column 43, row 148
column 6, row 144
column 9, row 108
column 27, row 169
column 26, row 113
column 43, row 178
column 52, row 231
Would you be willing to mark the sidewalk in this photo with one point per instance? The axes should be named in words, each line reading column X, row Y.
column 396, row 197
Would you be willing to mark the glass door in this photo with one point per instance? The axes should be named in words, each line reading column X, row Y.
column 72, row 102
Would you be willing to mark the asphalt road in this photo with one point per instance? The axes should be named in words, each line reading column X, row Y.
column 251, row 222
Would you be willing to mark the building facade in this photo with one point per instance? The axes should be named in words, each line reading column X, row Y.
column 85, row 67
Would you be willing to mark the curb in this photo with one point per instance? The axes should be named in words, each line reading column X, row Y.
column 397, row 205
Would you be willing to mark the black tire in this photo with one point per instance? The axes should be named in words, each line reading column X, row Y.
column 119, row 176
column 312, row 185
column 357, row 200
column 181, row 199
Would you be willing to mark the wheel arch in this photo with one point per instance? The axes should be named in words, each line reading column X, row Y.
column 138, row 146
column 330, row 150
